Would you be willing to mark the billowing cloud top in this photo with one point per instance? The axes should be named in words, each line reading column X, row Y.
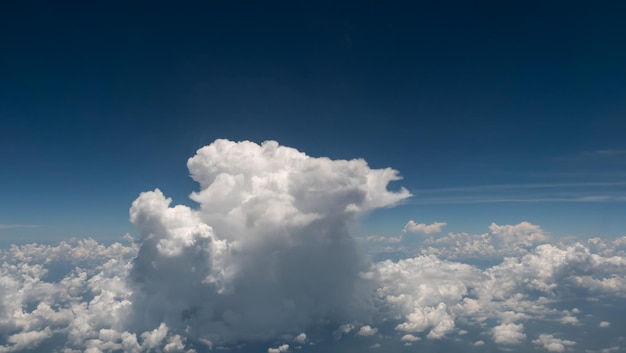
column 270, row 183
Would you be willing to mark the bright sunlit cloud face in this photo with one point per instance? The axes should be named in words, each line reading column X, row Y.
column 266, row 263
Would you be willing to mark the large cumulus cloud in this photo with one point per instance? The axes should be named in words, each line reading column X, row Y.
column 268, row 249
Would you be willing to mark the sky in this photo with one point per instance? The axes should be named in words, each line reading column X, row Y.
column 450, row 149
column 102, row 101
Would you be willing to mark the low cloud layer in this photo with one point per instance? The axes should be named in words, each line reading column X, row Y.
column 266, row 263
column 500, row 241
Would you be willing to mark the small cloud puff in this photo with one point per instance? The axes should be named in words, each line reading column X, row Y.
column 552, row 344
column 508, row 333
column 367, row 331
column 301, row 338
column 409, row 338
column 568, row 319
column 343, row 330
column 280, row 349
column 423, row 228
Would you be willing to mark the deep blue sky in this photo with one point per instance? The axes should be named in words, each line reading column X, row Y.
column 99, row 102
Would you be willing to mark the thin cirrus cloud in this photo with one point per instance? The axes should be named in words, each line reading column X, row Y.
column 267, row 256
column 577, row 192
column 604, row 153
column 11, row 226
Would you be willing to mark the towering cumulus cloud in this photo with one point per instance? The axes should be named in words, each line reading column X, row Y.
column 267, row 251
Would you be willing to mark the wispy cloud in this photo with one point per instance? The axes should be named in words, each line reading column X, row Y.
column 9, row 226
column 604, row 153
column 524, row 193
column 498, row 187
column 600, row 157
column 580, row 174
column 469, row 200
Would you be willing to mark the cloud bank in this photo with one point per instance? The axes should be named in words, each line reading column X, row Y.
column 266, row 263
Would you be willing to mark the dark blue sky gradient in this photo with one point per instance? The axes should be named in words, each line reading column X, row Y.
column 99, row 102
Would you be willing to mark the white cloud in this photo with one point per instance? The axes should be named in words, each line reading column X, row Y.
column 381, row 239
column 438, row 318
column 367, row 330
column 501, row 241
column 568, row 319
column 343, row 330
column 423, row 228
column 301, row 338
column 88, row 306
column 409, row 338
column 604, row 324
column 280, row 349
column 551, row 344
column 153, row 339
column 174, row 344
column 422, row 294
column 26, row 340
column 523, row 233
column 268, row 248
column 423, row 290
column 508, row 333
